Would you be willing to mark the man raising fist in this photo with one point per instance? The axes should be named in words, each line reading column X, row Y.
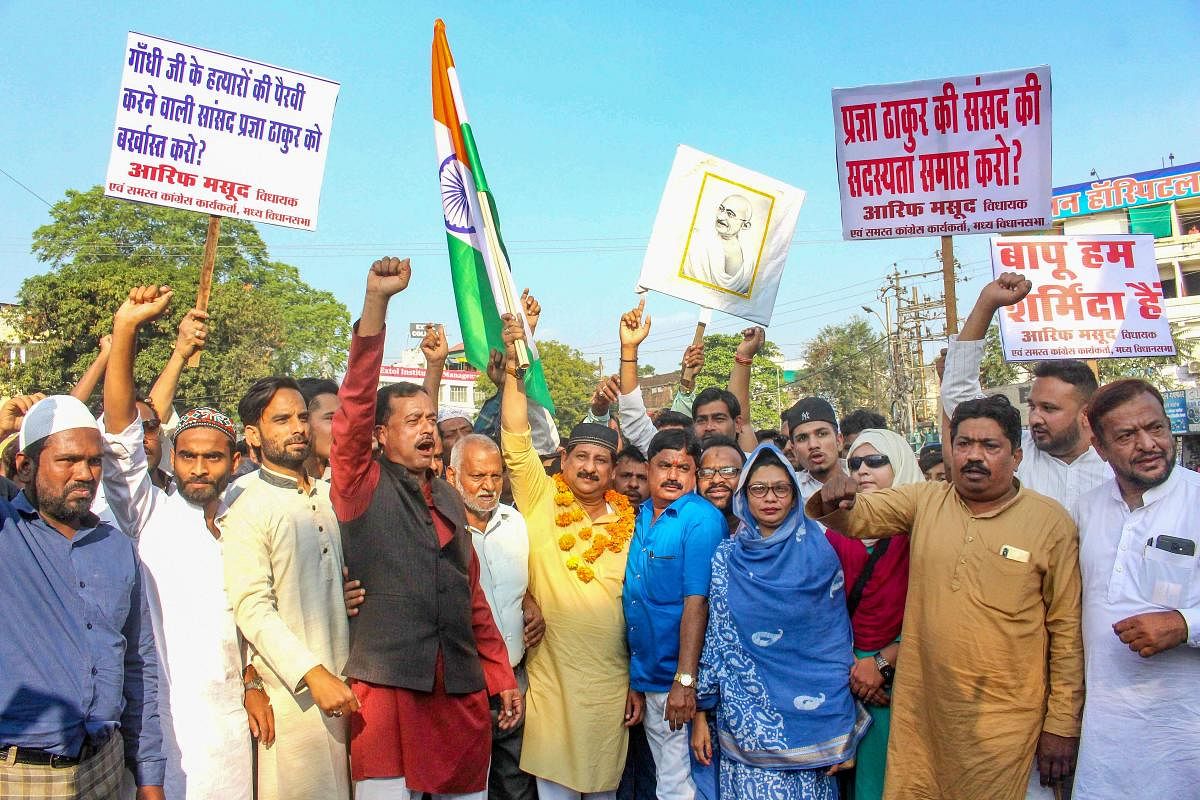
column 425, row 655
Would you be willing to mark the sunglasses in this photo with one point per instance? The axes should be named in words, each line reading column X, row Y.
column 781, row 490
column 874, row 461
column 724, row 472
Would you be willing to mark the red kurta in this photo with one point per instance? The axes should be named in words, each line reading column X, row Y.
column 439, row 743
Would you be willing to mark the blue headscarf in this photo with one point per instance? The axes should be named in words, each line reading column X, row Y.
column 778, row 649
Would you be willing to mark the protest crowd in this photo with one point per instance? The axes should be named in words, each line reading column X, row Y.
column 647, row 608
column 347, row 591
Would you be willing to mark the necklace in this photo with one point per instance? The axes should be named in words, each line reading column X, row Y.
column 616, row 536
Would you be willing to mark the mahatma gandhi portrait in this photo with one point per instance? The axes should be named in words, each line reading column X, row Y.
column 727, row 236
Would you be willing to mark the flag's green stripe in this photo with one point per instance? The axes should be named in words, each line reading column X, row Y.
column 477, row 173
column 478, row 319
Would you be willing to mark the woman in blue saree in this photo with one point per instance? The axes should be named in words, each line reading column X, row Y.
column 774, row 670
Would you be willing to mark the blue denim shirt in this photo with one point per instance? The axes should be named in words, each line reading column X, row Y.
column 68, row 608
column 669, row 559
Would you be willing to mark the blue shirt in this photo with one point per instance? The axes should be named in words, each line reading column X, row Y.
column 669, row 559
column 67, row 609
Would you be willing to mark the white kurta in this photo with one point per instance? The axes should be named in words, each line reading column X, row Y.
column 503, row 551
column 206, row 738
column 1141, row 717
column 283, row 573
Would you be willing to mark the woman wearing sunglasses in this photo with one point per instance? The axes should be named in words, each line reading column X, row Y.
column 876, row 583
column 777, row 649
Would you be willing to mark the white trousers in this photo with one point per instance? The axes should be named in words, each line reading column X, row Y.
column 549, row 790
column 672, row 763
column 397, row 789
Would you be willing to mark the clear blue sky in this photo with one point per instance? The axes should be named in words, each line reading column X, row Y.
column 577, row 109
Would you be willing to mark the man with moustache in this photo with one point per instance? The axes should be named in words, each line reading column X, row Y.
column 200, row 676
column 425, row 654
column 992, row 653
column 1141, row 606
column 283, row 578
column 666, row 602
column 1059, row 460
column 629, row 475
column 79, row 675
column 721, row 465
column 579, row 529
column 501, row 543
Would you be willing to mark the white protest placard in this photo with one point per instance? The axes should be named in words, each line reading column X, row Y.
column 1092, row 297
column 721, row 236
column 211, row 132
column 960, row 155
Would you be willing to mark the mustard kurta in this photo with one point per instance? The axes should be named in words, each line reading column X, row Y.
column 992, row 651
column 579, row 674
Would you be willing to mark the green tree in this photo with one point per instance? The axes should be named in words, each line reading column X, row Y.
column 765, row 376
column 570, row 377
column 994, row 371
column 263, row 318
column 847, row 365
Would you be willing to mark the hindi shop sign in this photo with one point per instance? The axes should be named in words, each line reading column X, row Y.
column 721, row 236
column 214, row 133
column 1092, row 297
column 939, row 157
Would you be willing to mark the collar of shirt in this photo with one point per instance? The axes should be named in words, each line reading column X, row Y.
column 498, row 518
column 991, row 512
column 1151, row 495
column 25, row 509
column 281, row 481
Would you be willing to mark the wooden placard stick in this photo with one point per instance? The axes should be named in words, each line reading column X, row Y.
column 687, row 375
column 206, row 273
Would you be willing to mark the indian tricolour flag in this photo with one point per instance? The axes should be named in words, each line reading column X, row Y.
column 483, row 285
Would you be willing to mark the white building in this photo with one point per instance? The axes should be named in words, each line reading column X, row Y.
column 458, row 379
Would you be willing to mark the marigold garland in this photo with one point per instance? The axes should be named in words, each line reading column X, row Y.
column 619, row 533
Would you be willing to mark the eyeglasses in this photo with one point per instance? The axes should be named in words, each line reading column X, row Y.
column 151, row 425
column 724, row 472
column 874, row 461
column 781, row 490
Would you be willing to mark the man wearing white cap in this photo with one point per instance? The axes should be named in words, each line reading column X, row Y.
column 453, row 424
column 205, row 734
column 76, row 641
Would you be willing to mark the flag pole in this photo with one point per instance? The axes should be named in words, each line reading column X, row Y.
column 510, row 302
column 206, row 273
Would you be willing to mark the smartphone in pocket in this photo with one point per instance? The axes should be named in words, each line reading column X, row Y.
column 1175, row 544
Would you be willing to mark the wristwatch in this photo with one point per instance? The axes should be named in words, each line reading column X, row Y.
column 257, row 683
column 885, row 669
column 685, row 680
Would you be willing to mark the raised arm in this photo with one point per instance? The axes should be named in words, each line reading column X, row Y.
column 739, row 382
column 436, row 351
column 354, row 421
column 530, row 484
column 127, row 485
column 92, row 375
column 960, row 379
column 144, row 304
column 635, row 421
column 193, row 331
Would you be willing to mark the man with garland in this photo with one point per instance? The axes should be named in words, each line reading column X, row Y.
column 579, row 704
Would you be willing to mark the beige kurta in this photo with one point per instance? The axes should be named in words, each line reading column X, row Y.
column 283, row 573
column 992, row 653
column 579, row 674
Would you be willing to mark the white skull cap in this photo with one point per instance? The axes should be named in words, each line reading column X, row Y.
column 58, row 412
